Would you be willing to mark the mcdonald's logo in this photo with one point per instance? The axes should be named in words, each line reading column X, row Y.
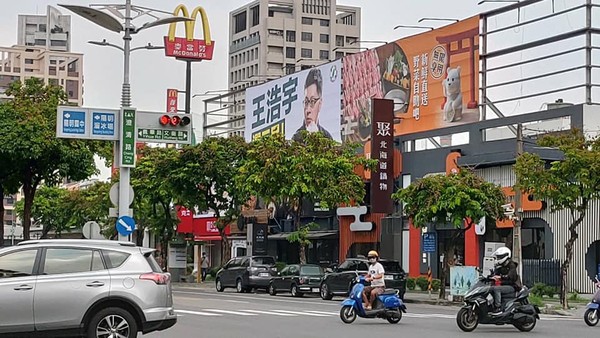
column 189, row 48
column 172, row 96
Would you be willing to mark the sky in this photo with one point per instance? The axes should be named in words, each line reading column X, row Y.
column 152, row 73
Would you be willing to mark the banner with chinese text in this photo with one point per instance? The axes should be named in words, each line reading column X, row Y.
column 382, row 149
column 307, row 100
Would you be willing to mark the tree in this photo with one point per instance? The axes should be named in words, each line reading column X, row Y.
column 569, row 184
column 315, row 168
column 204, row 176
column 460, row 199
column 28, row 138
column 153, row 195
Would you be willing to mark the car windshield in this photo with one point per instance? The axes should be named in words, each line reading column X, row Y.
column 311, row 270
column 263, row 261
column 392, row 266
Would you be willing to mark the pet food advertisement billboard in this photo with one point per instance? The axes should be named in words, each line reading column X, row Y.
column 307, row 100
column 432, row 77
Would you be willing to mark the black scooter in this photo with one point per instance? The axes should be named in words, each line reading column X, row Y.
column 516, row 309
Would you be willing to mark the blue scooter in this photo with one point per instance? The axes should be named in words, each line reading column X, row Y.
column 592, row 313
column 387, row 306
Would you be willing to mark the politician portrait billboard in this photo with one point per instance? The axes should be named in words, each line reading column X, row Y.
column 308, row 100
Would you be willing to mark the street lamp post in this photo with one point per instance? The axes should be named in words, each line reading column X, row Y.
column 111, row 23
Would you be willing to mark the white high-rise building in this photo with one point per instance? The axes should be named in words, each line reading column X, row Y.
column 52, row 30
column 271, row 38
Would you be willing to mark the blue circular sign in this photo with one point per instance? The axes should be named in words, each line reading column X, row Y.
column 125, row 225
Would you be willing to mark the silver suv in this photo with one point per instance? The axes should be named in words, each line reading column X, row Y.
column 87, row 288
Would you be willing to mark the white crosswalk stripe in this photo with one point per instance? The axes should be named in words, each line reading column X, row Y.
column 271, row 313
column 237, row 313
column 303, row 313
column 198, row 313
column 324, row 313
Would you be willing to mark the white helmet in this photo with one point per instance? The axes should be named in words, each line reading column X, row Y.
column 501, row 256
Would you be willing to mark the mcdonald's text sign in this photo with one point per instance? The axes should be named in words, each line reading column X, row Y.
column 188, row 47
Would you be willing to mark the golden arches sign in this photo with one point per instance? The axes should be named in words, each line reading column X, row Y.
column 188, row 47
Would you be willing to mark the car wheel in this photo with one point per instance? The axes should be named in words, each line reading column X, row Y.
column 219, row 285
column 272, row 291
column 239, row 287
column 294, row 291
column 112, row 322
column 325, row 294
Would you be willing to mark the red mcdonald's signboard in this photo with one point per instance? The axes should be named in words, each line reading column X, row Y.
column 189, row 48
column 172, row 96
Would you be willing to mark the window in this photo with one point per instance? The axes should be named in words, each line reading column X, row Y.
column 17, row 264
column 9, row 213
column 28, row 61
column 114, row 259
column 58, row 43
column 255, row 13
column 324, row 54
column 245, row 262
column 339, row 40
column 306, row 21
column 152, row 262
column 290, row 69
column 263, row 261
column 306, row 53
column 293, row 270
column 362, row 266
column 60, row 261
column 324, row 23
column 42, row 27
column 290, row 36
column 285, row 271
column 290, row 52
column 10, row 200
column 239, row 22
column 349, row 265
column 324, row 38
column 311, row 270
column 40, row 42
column 339, row 55
column 306, row 36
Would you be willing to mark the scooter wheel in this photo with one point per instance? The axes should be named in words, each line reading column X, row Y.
column 347, row 314
column 591, row 317
column 466, row 319
column 395, row 318
column 526, row 327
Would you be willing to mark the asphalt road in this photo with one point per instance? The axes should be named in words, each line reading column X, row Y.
column 206, row 313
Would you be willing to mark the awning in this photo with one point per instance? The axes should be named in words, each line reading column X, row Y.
column 207, row 238
column 311, row 235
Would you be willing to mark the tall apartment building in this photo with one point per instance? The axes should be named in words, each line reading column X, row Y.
column 51, row 30
column 58, row 68
column 272, row 38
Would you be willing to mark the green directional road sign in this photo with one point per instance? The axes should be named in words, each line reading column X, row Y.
column 161, row 135
column 128, row 137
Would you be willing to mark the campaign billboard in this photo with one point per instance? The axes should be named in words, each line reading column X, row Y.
column 432, row 78
column 307, row 100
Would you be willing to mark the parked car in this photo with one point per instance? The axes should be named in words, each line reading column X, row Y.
column 83, row 288
column 297, row 279
column 246, row 273
column 339, row 280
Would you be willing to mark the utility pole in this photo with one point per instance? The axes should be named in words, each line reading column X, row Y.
column 517, row 256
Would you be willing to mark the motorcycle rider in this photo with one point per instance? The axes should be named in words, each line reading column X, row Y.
column 506, row 276
column 375, row 276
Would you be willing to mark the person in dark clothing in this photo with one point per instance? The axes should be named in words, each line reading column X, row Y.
column 506, row 277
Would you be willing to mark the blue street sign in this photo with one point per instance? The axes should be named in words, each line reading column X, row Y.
column 429, row 242
column 73, row 122
column 103, row 123
column 125, row 225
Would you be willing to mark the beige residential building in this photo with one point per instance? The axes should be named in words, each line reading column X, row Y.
column 52, row 30
column 57, row 68
column 271, row 38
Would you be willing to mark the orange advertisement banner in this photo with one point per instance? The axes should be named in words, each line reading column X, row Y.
column 432, row 78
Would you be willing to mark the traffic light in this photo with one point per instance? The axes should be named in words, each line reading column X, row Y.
column 174, row 120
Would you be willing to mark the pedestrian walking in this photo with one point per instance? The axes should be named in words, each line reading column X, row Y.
column 204, row 265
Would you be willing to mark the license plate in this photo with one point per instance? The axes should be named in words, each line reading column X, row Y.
column 388, row 277
column 315, row 289
column 263, row 274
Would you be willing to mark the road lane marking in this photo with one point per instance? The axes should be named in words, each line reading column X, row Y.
column 231, row 312
column 270, row 313
column 198, row 313
column 324, row 313
column 302, row 313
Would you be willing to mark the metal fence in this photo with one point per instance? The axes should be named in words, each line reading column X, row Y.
column 545, row 271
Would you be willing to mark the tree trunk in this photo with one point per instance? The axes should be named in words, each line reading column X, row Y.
column 564, row 269
column 302, row 253
column 225, row 247
column 2, row 216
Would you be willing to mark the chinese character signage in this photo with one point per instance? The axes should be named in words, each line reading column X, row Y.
column 172, row 96
column 382, row 149
column 128, row 138
column 87, row 123
column 307, row 100
column 189, row 48
column 432, row 78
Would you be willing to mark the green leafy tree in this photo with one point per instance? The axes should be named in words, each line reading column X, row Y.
column 569, row 184
column 313, row 169
column 153, row 195
column 28, row 138
column 460, row 199
column 204, row 176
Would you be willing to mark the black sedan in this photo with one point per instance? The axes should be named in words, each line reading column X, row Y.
column 297, row 279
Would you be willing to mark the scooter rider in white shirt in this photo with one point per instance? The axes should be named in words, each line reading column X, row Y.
column 375, row 276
